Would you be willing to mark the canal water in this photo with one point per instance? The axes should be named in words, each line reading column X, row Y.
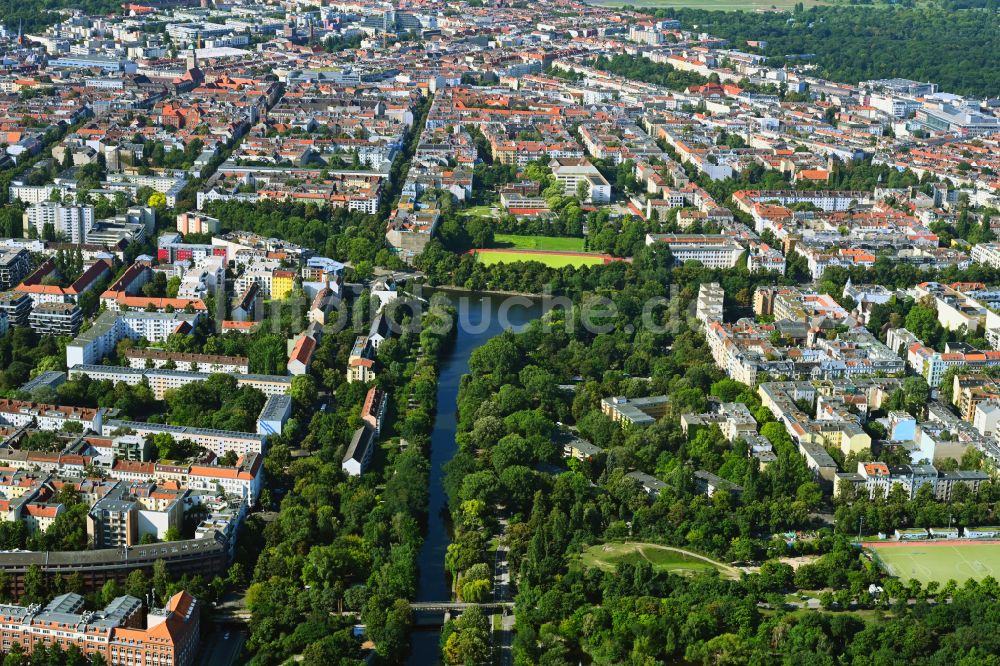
column 480, row 317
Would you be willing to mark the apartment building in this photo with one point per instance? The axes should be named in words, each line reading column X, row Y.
column 167, row 636
column 581, row 449
column 733, row 419
column 161, row 380
column 837, row 418
column 219, row 442
column 16, row 307
column 797, row 305
column 113, row 523
column 877, row 479
column 324, row 304
column 260, row 275
column 15, row 264
column 359, row 451
column 373, row 410
column 708, row 484
column 32, row 194
column 131, row 510
column 649, row 484
column 361, row 362
column 144, row 358
column 111, row 328
column 302, row 347
column 968, row 391
column 36, row 288
column 820, row 258
column 19, row 413
column 197, row 223
column 708, row 307
column 56, row 319
column 131, row 447
column 244, row 306
column 169, row 250
column 744, row 350
column 987, row 253
column 763, row 257
column 282, row 284
column 244, row 480
column 954, row 309
column 119, row 302
column 207, row 277
column 931, row 365
column 51, row 221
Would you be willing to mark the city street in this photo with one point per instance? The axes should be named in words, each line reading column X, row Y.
column 217, row 650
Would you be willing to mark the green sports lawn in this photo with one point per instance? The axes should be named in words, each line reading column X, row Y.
column 546, row 243
column 497, row 256
column 927, row 561
column 663, row 558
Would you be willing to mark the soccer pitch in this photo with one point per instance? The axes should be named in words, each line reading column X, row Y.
column 927, row 561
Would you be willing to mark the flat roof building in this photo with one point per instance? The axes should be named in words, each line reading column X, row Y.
column 636, row 412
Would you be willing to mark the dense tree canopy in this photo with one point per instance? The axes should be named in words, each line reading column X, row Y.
column 951, row 48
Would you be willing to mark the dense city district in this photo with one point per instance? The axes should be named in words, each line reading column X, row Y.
column 499, row 333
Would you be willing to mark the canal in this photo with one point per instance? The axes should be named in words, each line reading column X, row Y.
column 480, row 317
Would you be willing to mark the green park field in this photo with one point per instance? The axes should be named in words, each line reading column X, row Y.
column 663, row 558
column 543, row 243
column 927, row 561
column 551, row 259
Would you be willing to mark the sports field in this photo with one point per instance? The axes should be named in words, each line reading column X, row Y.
column 940, row 561
column 544, row 243
column 663, row 558
column 491, row 256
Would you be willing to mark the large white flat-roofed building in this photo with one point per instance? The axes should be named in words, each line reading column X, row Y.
column 219, row 442
column 112, row 327
column 107, row 64
column 636, row 412
column 161, row 380
column 963, row 121
column 713, row 251
column 571, row 171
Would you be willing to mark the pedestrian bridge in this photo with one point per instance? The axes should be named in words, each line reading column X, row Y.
column 435, row 613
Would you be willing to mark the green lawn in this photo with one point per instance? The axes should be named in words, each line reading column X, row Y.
column 721, row 5
column 928, row 561
column 490, row 257
column 547, row 243
column 663, row 558
column 478, row 211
